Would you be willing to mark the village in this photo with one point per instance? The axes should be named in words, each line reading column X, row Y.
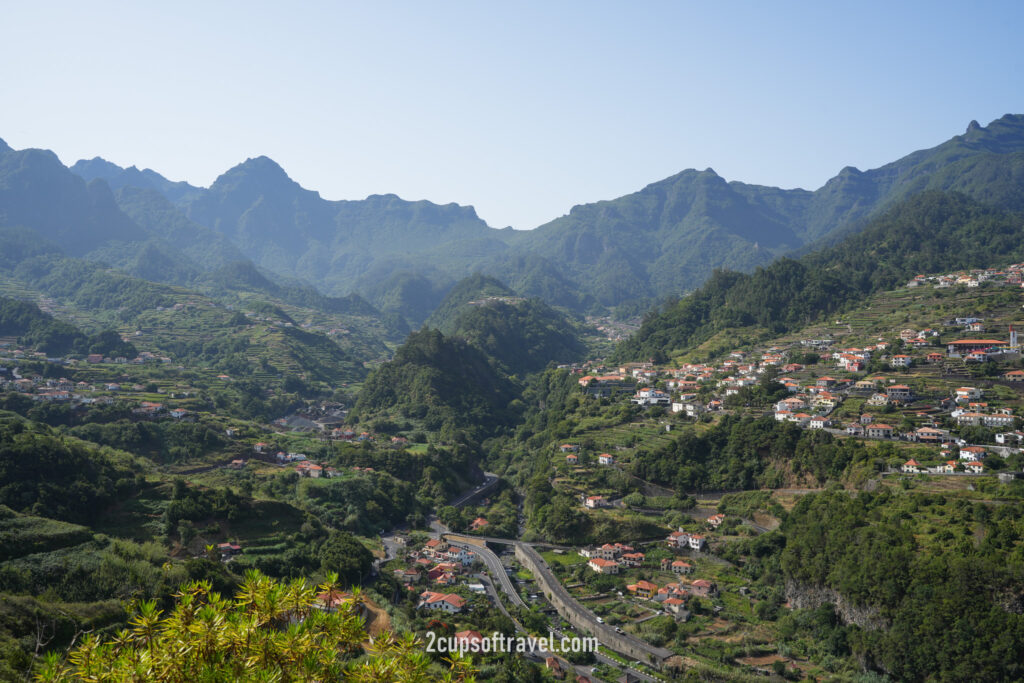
column 930, row 400
column 943, row 391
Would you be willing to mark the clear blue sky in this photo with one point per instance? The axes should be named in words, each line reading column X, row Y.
column 520, row 109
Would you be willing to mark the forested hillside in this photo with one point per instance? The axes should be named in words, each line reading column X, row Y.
column 935, row 604
column 477, row 287
column 442, row 383
column 928, row 233
column 522, row 335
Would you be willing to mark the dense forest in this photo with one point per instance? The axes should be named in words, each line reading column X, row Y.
column 935, row 604
column 523, row 336
column 440, row 381
column 45, row 474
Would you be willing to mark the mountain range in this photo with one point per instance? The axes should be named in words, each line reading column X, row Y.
column 403, row 256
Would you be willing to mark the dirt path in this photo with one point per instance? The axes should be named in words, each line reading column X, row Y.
column 377, row 620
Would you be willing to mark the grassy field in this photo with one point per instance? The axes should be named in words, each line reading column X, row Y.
column 567, row 559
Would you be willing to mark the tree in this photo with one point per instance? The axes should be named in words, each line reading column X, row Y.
column 635, row 499
column 344, row 554
column 271, row 631
column 452, row 518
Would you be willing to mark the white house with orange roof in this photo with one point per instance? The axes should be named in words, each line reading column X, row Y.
column 681, row 567
column 632, row 559
column 878, row 431
column 972, row 453
column 603, row 566
column 900, row 360
column 446, row 602
column 912, row 467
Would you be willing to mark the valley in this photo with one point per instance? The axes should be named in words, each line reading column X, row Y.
column 696, row 480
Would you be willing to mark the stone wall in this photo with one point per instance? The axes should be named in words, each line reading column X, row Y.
column 581, row 618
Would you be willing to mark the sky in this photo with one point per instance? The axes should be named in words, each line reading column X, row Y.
column 521, row 109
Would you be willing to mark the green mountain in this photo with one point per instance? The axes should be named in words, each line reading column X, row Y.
column 38, row 192
column 667, row 238
column 152, row 211
column 441, row 382
column 927, row 233
column 661, row 241
column 522, row 335
column 406, row 295
column 107, row 259
column 476, row 287
column 293, row 231
column 147, row 179
column 36, row 329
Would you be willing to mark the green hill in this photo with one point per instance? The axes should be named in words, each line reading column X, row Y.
column 439, row 381
column 523, row 335
column 22, row 535
column 476, row 287
column 43, row 473
column 928, row 233
column 928, row 605
column 36, row 329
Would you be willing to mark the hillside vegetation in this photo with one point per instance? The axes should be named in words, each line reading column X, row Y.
column 931, row 232
column 523, row 336
column 444, row 382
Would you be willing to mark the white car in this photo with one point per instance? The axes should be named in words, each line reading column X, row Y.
column 600, row 620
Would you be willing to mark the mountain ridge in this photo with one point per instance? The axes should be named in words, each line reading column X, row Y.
column 662, row 240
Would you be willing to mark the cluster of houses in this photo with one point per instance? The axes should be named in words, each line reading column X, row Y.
column 740, row 370
column 83, row 394
column 1011, row 275
column 912, row 466
column 686, row 540
column 303, row 466
column 610, row 557
column 572, row 457
column 15, row 354
column 821, row 397
column 679, row 591
column 439, row 564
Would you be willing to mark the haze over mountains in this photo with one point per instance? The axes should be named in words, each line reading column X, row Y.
column 403, row 256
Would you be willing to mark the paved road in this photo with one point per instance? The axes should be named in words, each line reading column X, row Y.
column 490, row 480
column 604, row 633
column 755, row 526
column 496, row 568
column 542, row 654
